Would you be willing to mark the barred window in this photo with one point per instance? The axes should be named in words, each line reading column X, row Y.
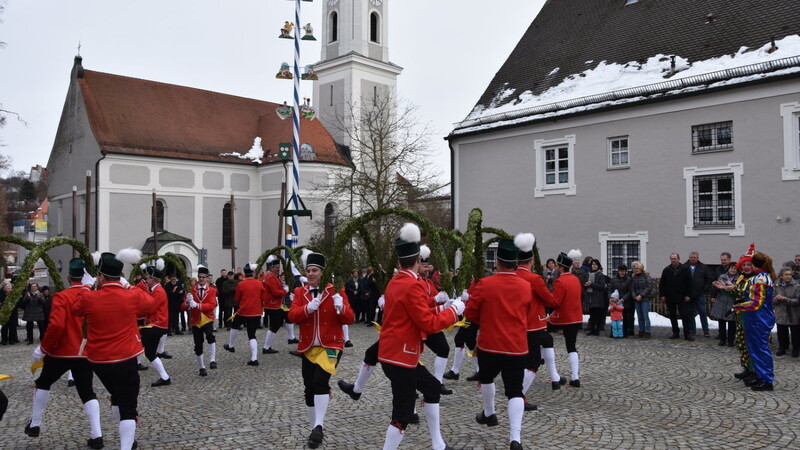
column 712, row 137
column 714, row 201
column 622, row 252
column 373, row 27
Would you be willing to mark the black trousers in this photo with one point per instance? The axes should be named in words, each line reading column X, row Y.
column 438, row 344
column 121, row 380
column 405, row 382
column 783, row 337
column 571, row 336
column 315, row 380
column 466, row 336
column 274, row 319
column 536, row 341
column 8, row 333
column 29, row 329
column 198, row 333
column 628, row 320
column 597, row 319
column 370, row 305
column 224, row 313
column 55, row 368
column 727, row 331
column 174, row 321
column 686, row 311
column 250, row 322
column 150, row 338
column 510, row 367
column 371, row 355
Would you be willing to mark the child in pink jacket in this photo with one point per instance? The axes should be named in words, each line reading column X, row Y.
column 615, row 306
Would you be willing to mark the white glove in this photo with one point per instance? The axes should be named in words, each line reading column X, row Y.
column 338, row 301
column 313, row 305
column 87, row 279
column 381, row 302
column 37, row 353
column 465, row 296
column 286, row 288
column 459, row 307
column 448, row 303
column 124, row 283
column 193, row 304
column 291, row 297
column 442, row 297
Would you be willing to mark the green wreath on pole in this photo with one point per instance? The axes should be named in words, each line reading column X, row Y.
column 169, row 258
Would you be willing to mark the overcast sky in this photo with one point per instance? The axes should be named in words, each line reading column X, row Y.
column 449, row 49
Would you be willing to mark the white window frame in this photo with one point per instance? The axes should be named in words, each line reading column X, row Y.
column 605, row 237
column 737, row 169
column 790, row 112
column 610, row 142
column 568, row 188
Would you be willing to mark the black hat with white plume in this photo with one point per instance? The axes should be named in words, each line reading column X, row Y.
column 309, row 258
column 424, row 254
column 156, row 271
column 524, row 242
column 407, row 245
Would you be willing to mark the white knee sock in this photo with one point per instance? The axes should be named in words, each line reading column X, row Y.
column 127, row 434
column 364, row 372
column 312, row 416
column 487, row 391
column 253, row 349
column 432, row 417
column 115, row 412
column 289, row 330
column 212, row 352
column 162, row 342
column 200, row 363
column 549, row 356
column 320, row 409
column 516, row 407
column 232, row 337
column 92, row 411
column 458, row 358
column 69, row 376
column 393, row 438
column 269, row 339
column 574, row 365
column 159, row 366
column 40, row 397
column 346, row 332
column 439, row 365
column 527, row 380
column 477, row 365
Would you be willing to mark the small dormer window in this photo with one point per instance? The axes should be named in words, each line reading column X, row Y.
column 374, row 27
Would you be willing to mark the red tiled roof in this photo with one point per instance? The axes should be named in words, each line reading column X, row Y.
column 141, row 117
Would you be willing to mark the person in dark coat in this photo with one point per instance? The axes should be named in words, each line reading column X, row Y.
column 702, row 277
column 32, row 305
column 595, row 291
column 676, row 289
column 8, row 333
column 356, row 302
column 175, row 291
column 223, row 275
column 621, row 283
column 227, row 299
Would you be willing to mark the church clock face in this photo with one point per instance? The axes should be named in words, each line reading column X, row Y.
column 376, row 2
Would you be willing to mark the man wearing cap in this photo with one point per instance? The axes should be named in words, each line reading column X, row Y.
column 61, row 348
column 501, row 304
column 156, row 323
column 540, row 342
column 250, row 295
column 567, row 291
column 407, row 317
column 321, row 314
column 276, row 290
column 200, row 304
column 113, row 339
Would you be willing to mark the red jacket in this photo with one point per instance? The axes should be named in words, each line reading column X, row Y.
column 407, row 317
column 431, row 291
column 250, row 295
column 500, row 305
column 323, row 325
column 207, row 304
column 159, row 317
column 111, row 312
column 275, row 292
column 542, row 297
column 64, row 330
column 567, row 291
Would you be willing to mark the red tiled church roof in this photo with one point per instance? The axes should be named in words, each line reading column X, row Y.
column 141, row 117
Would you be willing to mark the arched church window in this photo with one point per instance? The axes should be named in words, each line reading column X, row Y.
column 157, row 224
column 374, row 27
column 227, row 228
column 334, row 27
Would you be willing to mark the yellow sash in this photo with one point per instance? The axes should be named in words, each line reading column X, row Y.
column 323, row 357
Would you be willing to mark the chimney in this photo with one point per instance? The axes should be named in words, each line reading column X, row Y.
column 773, row 47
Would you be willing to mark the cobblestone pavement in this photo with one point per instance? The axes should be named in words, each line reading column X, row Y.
column 660, row 394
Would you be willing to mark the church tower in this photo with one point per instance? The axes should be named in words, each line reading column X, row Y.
column 355, row 63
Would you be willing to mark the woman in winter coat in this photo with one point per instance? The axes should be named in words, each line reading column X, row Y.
column 32, row 305
column 787, row 312
column 642, row 291
column 722, row 308
column 596, row 298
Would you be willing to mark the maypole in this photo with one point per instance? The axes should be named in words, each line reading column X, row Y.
column 291, row 242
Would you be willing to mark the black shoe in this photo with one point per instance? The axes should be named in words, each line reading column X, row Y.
column 721, row 343
column 347, row 388
column 135, row 445
column 781, row 352
column 575, row 383
column 183, row 328
column 761, row 386
column 795, row 353
column 751, row 381
column 228, row 348
column 142, row 367
column 689, row 337
column 203, row 373
column 348, row 344
column 31, row 431
column 515, row 445
column 473, row 377
column 70, row 383
column 4, row 342
column 557, row 384
column 315, row 438
column 743, row 374
column 268, row 351
column 29, row 341
column 490, row 421
column 179, row 333
column 213, row 365
column 675, row 336
column 530, row 406
column 252, row 363
column 161, row 382
column 450, row 375
column 414, row 419
column 369, row 324
column 293, row 341
column 444, row 391
column 95, row 443
column 295, row 353
column 164, row 355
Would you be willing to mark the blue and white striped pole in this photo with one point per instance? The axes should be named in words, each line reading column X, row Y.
column 292, row 242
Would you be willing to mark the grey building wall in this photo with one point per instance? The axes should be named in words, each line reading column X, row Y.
column 498, row 175
column 330, row 107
